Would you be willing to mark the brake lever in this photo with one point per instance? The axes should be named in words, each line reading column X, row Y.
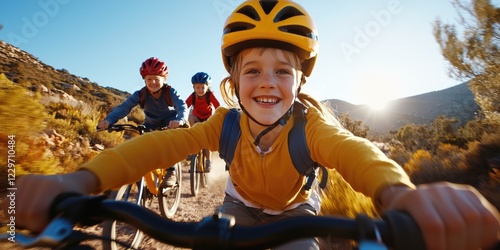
column 56, row 232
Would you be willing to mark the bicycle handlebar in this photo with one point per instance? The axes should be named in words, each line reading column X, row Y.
column 395, row 229
column 140, row 129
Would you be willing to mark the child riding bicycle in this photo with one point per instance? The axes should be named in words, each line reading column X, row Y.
column 162, row 105
column 269, row 48
column 204, row 103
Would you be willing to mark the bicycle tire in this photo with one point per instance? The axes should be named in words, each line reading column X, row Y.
column 194, row 174
column 134, row 237
column 169, row 198
column 203, row 174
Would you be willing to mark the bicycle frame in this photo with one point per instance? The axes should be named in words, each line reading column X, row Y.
column 153, row 178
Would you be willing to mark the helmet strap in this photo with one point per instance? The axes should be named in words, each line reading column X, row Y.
column 282, row 121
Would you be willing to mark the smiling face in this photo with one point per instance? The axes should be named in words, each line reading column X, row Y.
column 268, row 82
column 154, row 82
column 200, row 89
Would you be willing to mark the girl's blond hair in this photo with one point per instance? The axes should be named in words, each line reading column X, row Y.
column 228, row 85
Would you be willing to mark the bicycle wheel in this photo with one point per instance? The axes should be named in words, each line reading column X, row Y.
column 128, row 236
column 203, row 174
column 169, row 198
column 194, row 174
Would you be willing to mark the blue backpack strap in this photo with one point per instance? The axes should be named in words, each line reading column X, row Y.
column 230, row 136
column 299, row 150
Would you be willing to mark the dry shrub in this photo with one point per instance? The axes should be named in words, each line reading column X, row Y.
column 444, row 165
column 482, row 164
column 137, row 115
column 399, row 154
column 421, row 161
column 108, row 140
column 484, row 155
column 339, row 199
column 490, row 188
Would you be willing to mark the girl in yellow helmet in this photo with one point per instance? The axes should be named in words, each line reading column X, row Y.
column 269, row 48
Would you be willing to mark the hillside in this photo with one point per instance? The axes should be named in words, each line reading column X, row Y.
column 457, row 101
column 23, row 68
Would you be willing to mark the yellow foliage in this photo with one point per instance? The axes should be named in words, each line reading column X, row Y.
column 420, row 158
column 339, row 199
column 20, row 113
column 24, row 119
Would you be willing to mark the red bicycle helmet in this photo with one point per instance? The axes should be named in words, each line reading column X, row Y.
column 153, row 66
column 281, row 24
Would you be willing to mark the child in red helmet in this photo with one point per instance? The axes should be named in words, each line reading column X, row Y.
column 162, row 105
column 159, row 112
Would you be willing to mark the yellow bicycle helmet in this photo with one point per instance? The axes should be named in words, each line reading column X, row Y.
column 281, row 24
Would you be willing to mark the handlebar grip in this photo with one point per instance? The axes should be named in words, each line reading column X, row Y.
column 79, row 204
column 55, row 209
column 406, row 233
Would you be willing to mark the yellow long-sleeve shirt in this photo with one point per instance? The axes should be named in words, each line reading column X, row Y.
column 269, row 179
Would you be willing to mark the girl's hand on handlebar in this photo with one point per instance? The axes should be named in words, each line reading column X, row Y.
column 35, row 193
column 451, row 216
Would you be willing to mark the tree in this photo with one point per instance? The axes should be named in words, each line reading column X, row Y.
column 445, row 130
column 354, row 126
column 475, row 56
column 415, row 137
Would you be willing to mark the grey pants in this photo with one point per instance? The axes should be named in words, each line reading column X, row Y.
column 248, row 216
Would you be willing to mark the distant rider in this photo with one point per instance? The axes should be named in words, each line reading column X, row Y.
column 204, row 103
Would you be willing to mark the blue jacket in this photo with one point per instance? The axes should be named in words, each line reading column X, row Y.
column 158, row 113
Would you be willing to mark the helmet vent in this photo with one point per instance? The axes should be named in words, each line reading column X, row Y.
column 234, row 27
column 299, row 30
column 286, row 13
column 250, row 12
column 267, row 6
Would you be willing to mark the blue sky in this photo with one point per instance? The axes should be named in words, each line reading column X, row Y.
column 370, row 50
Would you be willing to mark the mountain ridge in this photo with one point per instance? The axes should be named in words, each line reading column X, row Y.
column 456, row 101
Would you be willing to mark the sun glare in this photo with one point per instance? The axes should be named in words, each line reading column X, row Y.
column 377, row 89
column 378, row 105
